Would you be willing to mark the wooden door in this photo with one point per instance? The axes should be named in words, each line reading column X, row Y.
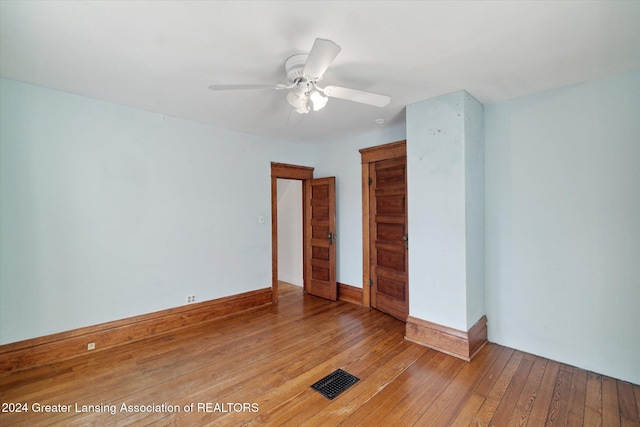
column 389, row 236
column 321, row 238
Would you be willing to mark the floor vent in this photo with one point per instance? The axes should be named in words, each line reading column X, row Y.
column 335, row 383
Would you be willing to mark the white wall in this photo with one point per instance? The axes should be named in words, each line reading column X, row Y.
column 108, row 212
column 290, row 231
column 342, row 159
column 563, row 224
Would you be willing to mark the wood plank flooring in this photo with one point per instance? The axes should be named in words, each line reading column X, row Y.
column 256, row 368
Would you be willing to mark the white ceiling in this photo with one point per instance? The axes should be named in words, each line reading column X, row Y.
column 162, row 55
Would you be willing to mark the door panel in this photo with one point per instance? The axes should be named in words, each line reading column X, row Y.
column 388, row 237
column 321, row 245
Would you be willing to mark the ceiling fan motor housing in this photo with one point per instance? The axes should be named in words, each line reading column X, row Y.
column 294, row 66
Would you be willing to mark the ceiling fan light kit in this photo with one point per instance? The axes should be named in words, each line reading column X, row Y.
column 304, row 72
column 304, row 92
column 318, row 100
column 298, row 99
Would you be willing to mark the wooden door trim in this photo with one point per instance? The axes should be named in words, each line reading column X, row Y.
column 286, row 171
column 369, row 156
column 384, row 152
column 366, row 244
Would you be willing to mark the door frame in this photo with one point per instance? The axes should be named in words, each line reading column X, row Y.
column 286, row 171
column 369, row 156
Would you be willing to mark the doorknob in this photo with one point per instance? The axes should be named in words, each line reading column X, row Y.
column 332, row 237
column 405, row 238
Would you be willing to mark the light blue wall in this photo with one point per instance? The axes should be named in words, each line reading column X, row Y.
column 445, row 174
column 108, row 212
column 563, row 224
column 474, row 208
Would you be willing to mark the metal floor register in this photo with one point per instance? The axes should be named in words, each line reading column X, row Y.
column 335, row 383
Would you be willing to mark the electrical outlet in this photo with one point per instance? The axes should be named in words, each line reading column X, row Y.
column 191, row 299
column 91, row 346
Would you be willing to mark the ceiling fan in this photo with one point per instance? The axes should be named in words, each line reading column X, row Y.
column 304, row 71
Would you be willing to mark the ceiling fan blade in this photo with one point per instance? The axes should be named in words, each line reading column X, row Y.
column 357, row 96
column 321, row 56
column 243, row 87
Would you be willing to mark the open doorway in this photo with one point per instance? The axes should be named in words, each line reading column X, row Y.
column 318, row 233
column 290, row 228
column 302, row 174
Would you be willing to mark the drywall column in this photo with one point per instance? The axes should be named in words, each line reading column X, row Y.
column 446, row 217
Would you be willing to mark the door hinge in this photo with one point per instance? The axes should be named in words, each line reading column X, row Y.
column 370, row 283
column 370, row 180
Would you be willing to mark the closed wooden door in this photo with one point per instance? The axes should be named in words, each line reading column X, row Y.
column 321, row 238
column 389, row 237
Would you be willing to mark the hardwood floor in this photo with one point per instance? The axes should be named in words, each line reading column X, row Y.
column 258, row 366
